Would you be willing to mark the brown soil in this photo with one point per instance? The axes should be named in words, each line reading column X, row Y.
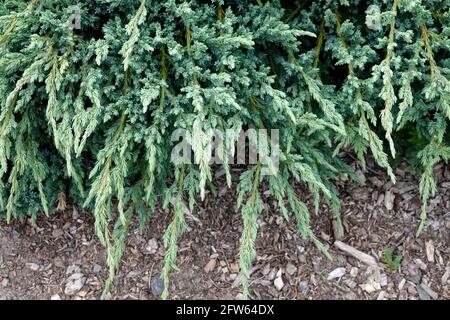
column 36, row 260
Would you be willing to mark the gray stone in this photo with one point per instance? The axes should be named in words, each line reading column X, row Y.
column 157, row 285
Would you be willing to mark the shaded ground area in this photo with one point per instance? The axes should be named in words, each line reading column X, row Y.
column 61, row 258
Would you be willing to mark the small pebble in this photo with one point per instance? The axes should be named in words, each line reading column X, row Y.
column 32, row 266
column 420, row 264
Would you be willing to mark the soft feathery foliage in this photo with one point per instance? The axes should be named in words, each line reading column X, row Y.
column 89, row 112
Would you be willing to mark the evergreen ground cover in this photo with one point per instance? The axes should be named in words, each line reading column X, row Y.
column 91, row 93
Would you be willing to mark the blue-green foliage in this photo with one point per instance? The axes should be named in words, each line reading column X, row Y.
column 89, row 112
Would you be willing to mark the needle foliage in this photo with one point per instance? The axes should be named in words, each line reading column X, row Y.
column 88, row 111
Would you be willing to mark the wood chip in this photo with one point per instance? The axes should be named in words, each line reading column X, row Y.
column 74, row 284
column 355, row 253
column 186, row 211
column 239, row 279
column 389, row 198
column 376, row 182
column 5, row 282
column 338, row 230
column 210, row 266
column 291, row 269
column 401, row 284
column 336, row 273
column 354, row 272
column 279, row 284
column 429, row 248
column 445, row 277
column 371, row 286
column 32, row 266
column 381, row 295
column 234, row 267
column 420, row 264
